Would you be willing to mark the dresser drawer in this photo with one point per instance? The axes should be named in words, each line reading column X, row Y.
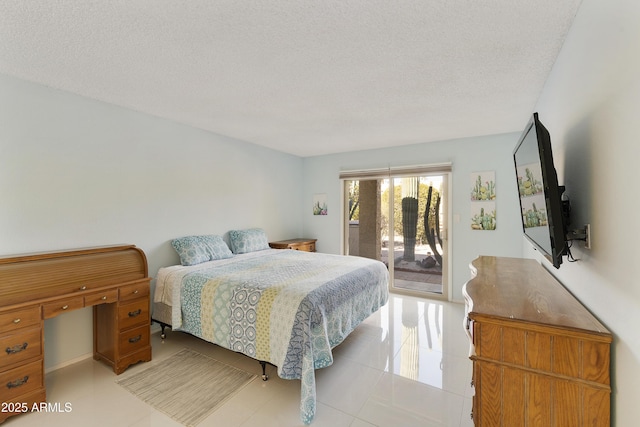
column 21, row 380
column 104, row 297
column 134, row 313
column 16, row 319
column 15, row 348
column 134, row 339
column 134, row 291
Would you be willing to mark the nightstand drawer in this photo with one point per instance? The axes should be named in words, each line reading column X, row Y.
column 307, row 247
column 52, row 309
column 12, row 320
column 134, row 291
column 134, row 313
column 134, row 339
column 21, row 380
column 19, row 347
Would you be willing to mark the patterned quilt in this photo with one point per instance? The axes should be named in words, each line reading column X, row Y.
column 286, row 307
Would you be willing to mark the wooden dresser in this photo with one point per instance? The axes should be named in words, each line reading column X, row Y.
column 308, row 245
column 539, row 357
column 35, row 287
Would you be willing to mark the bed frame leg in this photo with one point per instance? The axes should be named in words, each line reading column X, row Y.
column 264, row 370
column 162, row 326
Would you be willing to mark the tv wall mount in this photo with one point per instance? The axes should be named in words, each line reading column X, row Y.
column 580, row 234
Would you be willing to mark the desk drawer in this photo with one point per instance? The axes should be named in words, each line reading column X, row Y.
column 134, row 313
column 16, row 319
column 20, row 346
column 103, row 297
column 52, row 309
column 21, row 380
column 131, row 292
column 134, row 339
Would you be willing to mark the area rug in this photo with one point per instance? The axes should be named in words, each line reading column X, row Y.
column 187, row 386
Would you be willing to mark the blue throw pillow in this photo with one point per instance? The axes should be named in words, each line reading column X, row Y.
column 250, row 240
column 198, row 249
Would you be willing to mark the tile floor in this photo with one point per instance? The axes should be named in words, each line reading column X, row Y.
column 406, row 365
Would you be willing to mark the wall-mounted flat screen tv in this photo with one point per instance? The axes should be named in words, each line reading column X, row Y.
column 540, row 195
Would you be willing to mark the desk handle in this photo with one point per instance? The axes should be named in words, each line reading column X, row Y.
column 18, row 382
column 16, row 348
column 135, row 313
column 135, row 339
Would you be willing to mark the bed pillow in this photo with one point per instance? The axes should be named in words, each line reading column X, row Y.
column 198, row 249
column 250, row 240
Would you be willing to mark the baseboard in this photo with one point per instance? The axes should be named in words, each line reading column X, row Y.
column 68, row 362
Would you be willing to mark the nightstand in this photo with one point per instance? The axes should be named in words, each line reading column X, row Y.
column 308, row 245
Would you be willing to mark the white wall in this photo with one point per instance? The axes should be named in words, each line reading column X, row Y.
column 591, row 106
column 466, row 155
column 76, row 172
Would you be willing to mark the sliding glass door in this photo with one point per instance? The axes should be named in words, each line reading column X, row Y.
column 402, row 221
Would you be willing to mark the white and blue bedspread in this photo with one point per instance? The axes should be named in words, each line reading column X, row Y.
column 285, row 307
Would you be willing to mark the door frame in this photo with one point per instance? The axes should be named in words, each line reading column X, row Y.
column 390, row 173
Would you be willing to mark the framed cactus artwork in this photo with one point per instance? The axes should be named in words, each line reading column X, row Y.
column 483, row 200
column 319, row 204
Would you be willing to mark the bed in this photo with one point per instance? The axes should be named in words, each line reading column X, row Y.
column 283, row 307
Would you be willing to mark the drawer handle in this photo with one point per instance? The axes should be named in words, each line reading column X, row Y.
column 16, row 321
column 83, row 288
column 104, row 298
column 135, row 339
column 16, row 348
column 17, row 383
column 136, row 291
column 135, row 313
column 64, row 307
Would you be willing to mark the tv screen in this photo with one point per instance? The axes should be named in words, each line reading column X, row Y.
column 540, row 194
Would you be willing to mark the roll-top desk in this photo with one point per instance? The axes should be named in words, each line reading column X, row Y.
column 112, row 279
column 539, row 357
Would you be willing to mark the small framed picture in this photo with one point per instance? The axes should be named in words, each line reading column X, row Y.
column 320, row 204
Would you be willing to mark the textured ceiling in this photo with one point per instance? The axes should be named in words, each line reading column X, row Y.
column 300, row 76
